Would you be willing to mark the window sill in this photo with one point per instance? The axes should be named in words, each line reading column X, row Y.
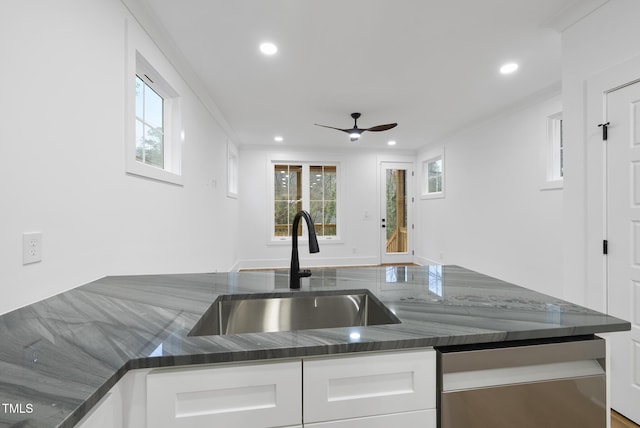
column 286, row 241
column 136, row 168
column 435, row 195
column 553, row 185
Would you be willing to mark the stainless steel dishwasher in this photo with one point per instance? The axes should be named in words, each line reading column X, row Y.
column 523, row 385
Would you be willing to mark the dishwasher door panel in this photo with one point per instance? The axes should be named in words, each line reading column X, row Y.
column 561, row 384
column 550, row 404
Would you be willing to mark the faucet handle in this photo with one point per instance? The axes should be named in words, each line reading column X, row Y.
column 304, row 273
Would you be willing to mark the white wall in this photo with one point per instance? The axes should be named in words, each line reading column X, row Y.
column 606, row 37
column 494, row 217
column 62, row 148
column 358, row 192
column 62, row 145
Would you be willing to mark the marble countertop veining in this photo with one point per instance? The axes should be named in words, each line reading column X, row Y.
column 59, row 356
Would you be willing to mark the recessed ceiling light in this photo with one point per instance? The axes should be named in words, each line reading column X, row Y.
column 278, row 139
column 391, row 143
column 509, row 68
column 268, row 48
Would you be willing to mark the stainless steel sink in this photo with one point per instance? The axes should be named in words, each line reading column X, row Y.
column 254, row 313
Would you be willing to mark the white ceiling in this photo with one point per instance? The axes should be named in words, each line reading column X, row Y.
column 432, row 66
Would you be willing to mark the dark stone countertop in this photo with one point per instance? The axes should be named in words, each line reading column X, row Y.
column 59, row 356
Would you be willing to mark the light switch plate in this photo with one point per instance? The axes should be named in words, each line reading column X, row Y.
column 31, row 247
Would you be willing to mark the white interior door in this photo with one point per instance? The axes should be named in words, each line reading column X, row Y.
column 623, row 234
column 396, row 212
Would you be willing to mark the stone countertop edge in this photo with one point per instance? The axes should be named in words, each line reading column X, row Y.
column 89, row 337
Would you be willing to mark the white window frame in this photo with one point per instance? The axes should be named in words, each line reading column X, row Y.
column 306, row 203
column 432, row 157
column 143, row 58
column 553, row 153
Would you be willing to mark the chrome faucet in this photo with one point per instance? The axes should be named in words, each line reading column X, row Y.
column 295, row 273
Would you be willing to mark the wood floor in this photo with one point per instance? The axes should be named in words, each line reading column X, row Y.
column 619, row 421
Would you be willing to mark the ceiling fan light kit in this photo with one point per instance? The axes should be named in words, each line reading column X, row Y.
column 355, row 132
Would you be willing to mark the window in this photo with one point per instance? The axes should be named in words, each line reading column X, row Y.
column 232, row 170
column 149, row 124
column 556, row 146
column 555, row 153
column 287, row 184
column 154, row 148
column 322, row 193
column 305, row 186
column 433, row 177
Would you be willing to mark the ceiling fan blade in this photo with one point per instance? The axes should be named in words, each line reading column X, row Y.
column 381, row 127
column 333, row 127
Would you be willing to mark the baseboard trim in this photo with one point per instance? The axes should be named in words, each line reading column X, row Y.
column 306, row 263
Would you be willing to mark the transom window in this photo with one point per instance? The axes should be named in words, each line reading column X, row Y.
column 301, row 186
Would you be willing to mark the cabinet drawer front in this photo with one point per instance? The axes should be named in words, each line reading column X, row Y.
column 373, row 384
column 421, row 418
column 259, row 395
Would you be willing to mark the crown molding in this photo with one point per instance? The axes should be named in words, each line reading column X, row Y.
column 571, row 14
column 144, row 15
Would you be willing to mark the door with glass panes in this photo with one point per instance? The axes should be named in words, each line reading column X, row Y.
column 396, row 220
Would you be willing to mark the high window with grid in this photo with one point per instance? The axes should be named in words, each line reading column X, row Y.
column 305, row 186
column 154, row 148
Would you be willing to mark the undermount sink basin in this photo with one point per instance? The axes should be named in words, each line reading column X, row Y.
column 254, row 313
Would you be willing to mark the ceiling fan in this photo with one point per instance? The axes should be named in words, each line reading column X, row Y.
column 355, row 132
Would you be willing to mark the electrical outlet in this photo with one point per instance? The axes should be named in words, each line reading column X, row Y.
column 31, row 247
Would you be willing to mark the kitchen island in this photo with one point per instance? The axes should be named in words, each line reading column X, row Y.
column 60, row 356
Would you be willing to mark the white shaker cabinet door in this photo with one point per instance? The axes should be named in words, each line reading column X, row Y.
column 258, row 395
column 368, row 385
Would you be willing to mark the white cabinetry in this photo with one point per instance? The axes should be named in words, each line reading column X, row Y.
column 260, row 395
column 124, row 406
column 369, row 390
column 106, row 414
column 380, row 389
